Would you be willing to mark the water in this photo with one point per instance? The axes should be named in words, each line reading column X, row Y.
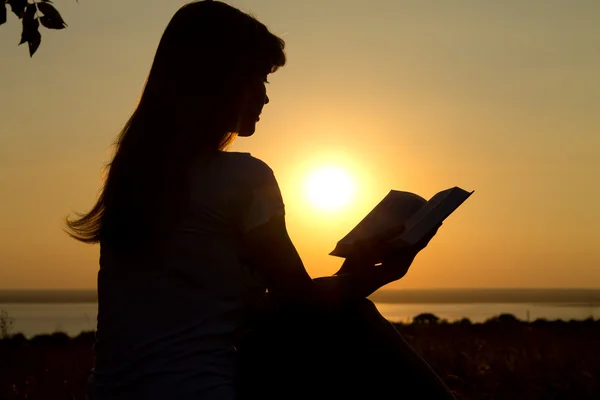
column 72, row 318
column 37, row 318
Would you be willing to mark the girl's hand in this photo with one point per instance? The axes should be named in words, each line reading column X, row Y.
column 368, row 253
column 363, row 258
column 398, row 261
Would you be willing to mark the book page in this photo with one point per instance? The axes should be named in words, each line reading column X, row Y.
column 425, row 210
column 437, row 209
column 386, row 220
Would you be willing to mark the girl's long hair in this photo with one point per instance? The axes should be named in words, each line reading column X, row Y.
column 189, row 109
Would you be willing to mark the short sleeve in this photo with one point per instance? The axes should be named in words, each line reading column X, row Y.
column 263, row 201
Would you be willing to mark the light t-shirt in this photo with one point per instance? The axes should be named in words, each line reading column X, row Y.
column 168, row 332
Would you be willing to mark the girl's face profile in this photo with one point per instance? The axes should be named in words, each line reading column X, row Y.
column 254, row 98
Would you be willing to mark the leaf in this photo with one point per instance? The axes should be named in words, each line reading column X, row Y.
column 30, row 11
column 31, row 29
column 30, row 26
column 18, row 7
column 2, row 13
column 52, row 23
column 34, row 42
column 52, row 18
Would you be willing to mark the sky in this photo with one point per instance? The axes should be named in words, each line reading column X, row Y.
column 498, row 97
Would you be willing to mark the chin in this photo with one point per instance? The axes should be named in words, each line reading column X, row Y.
column 247, row 131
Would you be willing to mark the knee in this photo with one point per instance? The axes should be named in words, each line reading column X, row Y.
column 361, row 312
column 364, row 308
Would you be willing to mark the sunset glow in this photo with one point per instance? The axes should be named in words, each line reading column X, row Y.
column 329, row 188
column 501, row 98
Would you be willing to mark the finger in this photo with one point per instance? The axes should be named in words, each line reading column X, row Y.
column 362, row 255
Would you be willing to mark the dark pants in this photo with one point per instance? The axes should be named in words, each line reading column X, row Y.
column 352, row 354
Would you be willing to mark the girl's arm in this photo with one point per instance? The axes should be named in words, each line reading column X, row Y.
column 270, row 250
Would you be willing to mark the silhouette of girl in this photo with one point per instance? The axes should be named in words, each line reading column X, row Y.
column 191, row 237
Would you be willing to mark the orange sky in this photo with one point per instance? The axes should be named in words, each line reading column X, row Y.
column 498, row 97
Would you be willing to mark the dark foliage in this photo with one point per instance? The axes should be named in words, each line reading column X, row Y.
column 500, row 359
column 32, row 14
column 426, row 318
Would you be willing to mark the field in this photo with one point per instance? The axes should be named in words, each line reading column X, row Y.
column 500, row 359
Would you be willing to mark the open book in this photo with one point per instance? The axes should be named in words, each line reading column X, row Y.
column 402, row 219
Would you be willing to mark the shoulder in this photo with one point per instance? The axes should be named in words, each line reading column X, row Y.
column 247, row 167
column 246, row 160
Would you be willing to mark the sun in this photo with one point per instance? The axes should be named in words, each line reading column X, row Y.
column 329, row 188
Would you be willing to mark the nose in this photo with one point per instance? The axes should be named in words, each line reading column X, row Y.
column 266, row 99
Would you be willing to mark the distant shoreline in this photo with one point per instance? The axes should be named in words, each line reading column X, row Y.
column 48, row 296
column 566, row 297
